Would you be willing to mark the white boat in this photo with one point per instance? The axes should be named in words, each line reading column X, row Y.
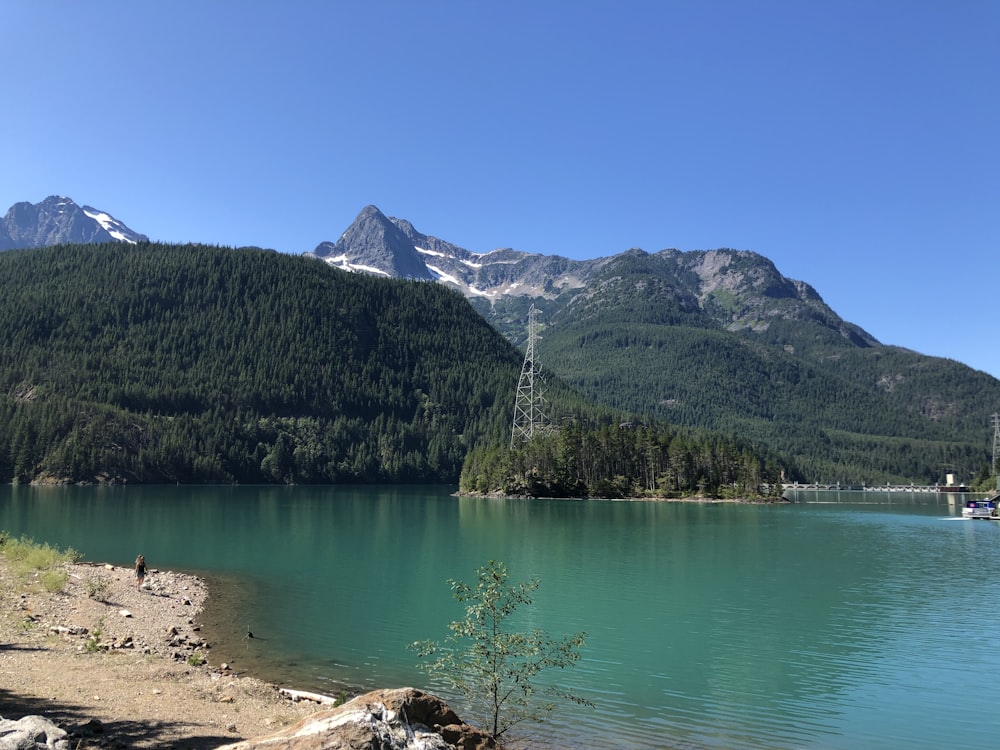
column 984, row 509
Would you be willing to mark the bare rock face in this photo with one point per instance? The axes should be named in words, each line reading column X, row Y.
column 58, row 219
column 400, row 719
column 374, row 244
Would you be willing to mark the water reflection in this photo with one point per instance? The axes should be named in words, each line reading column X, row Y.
column 714, row 625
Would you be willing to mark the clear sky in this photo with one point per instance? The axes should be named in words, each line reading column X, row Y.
column 855, row 143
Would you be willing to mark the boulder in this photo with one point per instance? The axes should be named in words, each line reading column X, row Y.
column 31, row 733
column 400, row 719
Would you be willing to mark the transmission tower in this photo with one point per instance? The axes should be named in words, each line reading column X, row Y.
column 996, row 446
column 529, row 416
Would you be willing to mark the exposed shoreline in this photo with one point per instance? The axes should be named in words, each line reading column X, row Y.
column 227, row 630
column 121, row 668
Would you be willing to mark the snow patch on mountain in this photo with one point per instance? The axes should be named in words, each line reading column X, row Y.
column 442, row 276
column 424, row 251
column 110, row 224
column 467, row 289
column 343, row 263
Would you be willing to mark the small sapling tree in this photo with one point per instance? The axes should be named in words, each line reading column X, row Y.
column 492, row 666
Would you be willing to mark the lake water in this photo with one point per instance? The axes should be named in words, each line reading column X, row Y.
column 812, row 625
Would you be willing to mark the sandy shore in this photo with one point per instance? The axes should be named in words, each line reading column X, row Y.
column 121, row 668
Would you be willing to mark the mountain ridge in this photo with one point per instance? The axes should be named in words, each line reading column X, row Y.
column 709, row 339
column 59, row 220
column 716, row 278
column 721, row 340
column 392, row 247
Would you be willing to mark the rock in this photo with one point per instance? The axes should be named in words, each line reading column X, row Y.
column 63, row 630
column 92, row 727
column 124, row 613
column 32, row 732
column 402, row 719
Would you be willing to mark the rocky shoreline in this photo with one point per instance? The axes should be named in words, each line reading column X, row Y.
column 102, row 664
column 116, row 667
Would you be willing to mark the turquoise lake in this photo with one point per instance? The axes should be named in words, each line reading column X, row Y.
column 809, row 625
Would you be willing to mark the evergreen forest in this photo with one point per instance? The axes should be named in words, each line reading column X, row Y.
column 622, row 460
column 163, row 363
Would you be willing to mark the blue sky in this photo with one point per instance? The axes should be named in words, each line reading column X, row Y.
column 855, row 144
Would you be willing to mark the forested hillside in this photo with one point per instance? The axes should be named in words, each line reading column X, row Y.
column 159, row 363
column 156, row 363
column 739, row 350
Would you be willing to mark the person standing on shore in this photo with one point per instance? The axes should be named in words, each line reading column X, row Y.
column 140, row 572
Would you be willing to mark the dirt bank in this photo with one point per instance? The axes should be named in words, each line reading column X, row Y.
column 120, row 667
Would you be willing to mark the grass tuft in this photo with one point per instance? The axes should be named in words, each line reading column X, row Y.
column 28, row 558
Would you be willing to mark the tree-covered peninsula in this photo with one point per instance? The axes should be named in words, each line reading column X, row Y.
column 622, row 460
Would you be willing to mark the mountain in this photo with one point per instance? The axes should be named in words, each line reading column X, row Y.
column 715, row 339
column 731, row 289
column 711, row 339
column 376, row 245
column 57, row 220
column 161, row 363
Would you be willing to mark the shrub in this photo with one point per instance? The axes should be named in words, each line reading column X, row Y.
column 93, row 643
column 492, row 665
column 27, row 557
column 53, row 579
column 97, row 587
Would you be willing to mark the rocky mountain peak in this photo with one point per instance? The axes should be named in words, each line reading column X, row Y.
column 732, row 289
column 373, row 243
column 58, row 220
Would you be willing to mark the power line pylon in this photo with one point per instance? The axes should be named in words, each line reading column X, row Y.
column 996, row 445
column 529, row 415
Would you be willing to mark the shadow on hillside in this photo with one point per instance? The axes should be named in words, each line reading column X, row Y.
column 86, row 733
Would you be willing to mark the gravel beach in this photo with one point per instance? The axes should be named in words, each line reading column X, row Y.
column 121, row 668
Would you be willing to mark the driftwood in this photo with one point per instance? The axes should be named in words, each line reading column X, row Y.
column 303, row 695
